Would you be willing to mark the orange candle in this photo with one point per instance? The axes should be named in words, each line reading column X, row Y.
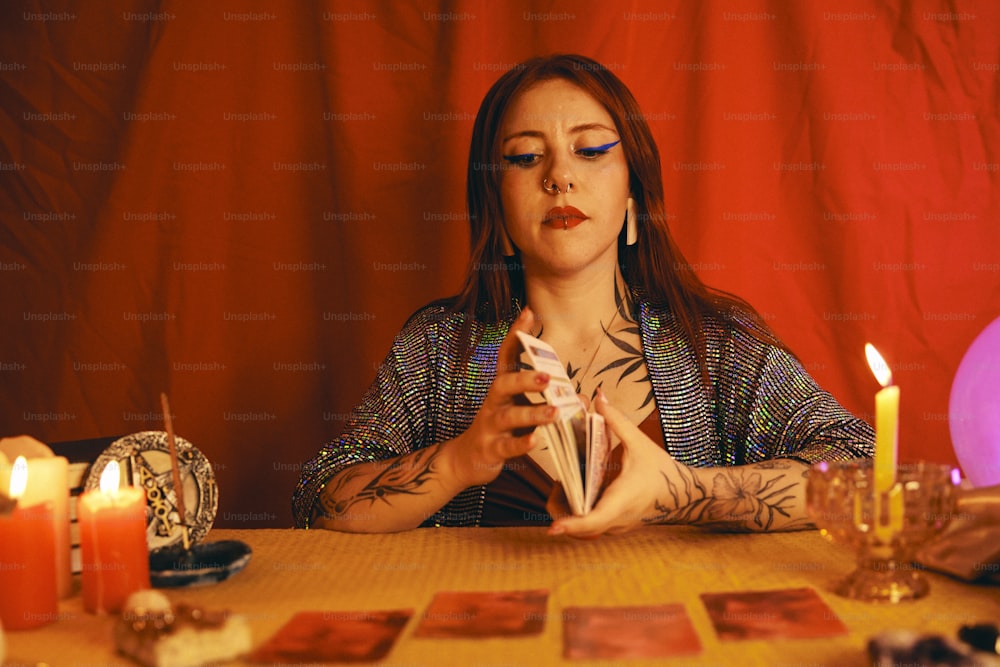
column 47, row 483
column 113, row 545
column 28, row 580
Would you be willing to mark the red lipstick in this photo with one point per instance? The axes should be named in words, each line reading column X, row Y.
column 563, row 217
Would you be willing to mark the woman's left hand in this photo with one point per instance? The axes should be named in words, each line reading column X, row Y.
column 631, row 495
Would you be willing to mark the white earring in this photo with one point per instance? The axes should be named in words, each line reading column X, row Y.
column 631, row 223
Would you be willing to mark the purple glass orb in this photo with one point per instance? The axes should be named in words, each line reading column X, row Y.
column 974, row 409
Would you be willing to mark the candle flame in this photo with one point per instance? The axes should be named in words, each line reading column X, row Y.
column 19, row 477
column 110, row 478
column 879, row 368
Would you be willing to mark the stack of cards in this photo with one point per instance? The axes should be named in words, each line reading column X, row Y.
column 577, row 441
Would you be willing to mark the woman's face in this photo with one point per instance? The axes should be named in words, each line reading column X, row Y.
column 554, row 130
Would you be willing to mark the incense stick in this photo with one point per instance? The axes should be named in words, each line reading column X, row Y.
column 175, row 469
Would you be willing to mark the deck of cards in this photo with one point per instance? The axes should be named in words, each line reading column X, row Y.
column 577, row 441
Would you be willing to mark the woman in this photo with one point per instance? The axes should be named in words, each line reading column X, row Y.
column 717, row 420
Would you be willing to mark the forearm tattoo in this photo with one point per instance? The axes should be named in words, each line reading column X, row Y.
column 739, row 500
column 407, row 476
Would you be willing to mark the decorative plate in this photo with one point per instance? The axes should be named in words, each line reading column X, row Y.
column 145, row 462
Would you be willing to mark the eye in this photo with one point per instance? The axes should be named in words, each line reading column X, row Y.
column 596, row 151
column 522, row 160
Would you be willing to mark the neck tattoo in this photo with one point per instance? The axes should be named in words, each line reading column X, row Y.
column 578, row 374
column 597, row 348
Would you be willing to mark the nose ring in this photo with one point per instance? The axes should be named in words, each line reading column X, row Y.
column 554, row 188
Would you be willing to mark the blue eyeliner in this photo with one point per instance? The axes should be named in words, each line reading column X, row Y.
column 605, row 147
column 515, row 159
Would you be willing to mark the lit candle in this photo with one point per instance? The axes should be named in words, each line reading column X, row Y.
column 886, row 421
column 28, row 594
column 48, row 482
column 113, row 545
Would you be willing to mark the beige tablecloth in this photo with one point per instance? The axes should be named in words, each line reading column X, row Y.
column 293, row 571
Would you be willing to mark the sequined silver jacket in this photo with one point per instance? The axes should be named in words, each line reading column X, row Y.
column 762, row 404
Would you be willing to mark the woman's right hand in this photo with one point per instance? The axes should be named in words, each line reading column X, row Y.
column 477, row 456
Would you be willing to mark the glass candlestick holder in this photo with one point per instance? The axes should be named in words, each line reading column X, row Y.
column 884, row 527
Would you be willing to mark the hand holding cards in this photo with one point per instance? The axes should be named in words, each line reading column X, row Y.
column 577, row 441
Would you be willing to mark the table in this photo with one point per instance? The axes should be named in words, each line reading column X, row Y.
column 294, row 570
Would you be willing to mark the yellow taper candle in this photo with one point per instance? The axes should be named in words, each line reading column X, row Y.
column 886, row 421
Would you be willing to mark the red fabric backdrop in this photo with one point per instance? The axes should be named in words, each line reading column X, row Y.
column 240, row 202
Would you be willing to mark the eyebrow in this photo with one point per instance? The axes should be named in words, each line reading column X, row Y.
column 573, row 130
